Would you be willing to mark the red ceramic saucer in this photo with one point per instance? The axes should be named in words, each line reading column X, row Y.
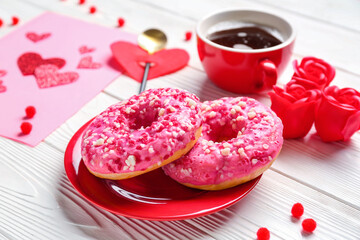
column 151, row 196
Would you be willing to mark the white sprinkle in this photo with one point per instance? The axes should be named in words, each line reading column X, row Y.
column 248, row 147
column 207, row 151
column 210, row 143
column 225, row 151
column 151, row 150
column 212, row 114
column 254, row 161
column 125, row 168
column 131, row 168
column 172, row 109
column 226, row 145
column 99, row 142
column 204, row 142
column 106, row 149
column 110, row 140
column 265, row 146
column 161, row 112
column 175, row 134
column 159, row 163
column 101, row 164
column 233, row 111
column 190, row 101
column 117, row 124
column 132, row 160
column 169, row 149
column 166, row 102
column 240, row 118
column 152, row 102
column 242, row 104
column 239, row 133
column 270, row 158
column 241, row 151
column 128, row 110
column 237, row 108
column 251, row 114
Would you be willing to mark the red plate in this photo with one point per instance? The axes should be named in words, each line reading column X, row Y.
column 151, row 196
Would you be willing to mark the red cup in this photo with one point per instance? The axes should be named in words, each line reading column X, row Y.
column 244, row 70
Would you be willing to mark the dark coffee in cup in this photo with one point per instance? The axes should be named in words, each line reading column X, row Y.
column 245, row 37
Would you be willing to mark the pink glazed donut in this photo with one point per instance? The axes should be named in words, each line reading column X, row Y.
column 142, row 133
column 240, row 140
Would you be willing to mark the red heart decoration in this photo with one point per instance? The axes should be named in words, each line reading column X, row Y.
column 2, row 73
column 48, row 76
column 86, row 62
column 2, row 87
column 29, row 61
column 85, row 49
column 132, row 58
column 37, row 37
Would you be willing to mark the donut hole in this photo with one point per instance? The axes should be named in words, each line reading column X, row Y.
column 143, row 118
column 224, row 132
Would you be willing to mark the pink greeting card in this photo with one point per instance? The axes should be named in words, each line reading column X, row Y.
column 56, row 64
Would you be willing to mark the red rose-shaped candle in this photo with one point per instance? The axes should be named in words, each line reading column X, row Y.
column 338, row 114
column 295, row 106
column 314, row 71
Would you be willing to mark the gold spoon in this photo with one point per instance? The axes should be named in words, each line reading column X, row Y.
column 152, row 40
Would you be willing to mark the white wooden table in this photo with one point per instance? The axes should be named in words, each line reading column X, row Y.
column 324, row 177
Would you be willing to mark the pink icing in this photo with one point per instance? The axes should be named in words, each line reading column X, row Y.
column 239, row 135
column 142, row 131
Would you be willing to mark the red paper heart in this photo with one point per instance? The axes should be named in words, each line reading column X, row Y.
column 37, row 37
column 86, row 62
column 29, row 61
column 85, row 49
column 2, row 73
column 132, row 58
column 2, row 87
column 48, row 76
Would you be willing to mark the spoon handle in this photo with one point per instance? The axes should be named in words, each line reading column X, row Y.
column 144, row 79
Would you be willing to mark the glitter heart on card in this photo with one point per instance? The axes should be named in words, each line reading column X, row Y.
column 48, row 76
column 37, row 37
column 86, row 62
column 29, row 61
column 84, row 49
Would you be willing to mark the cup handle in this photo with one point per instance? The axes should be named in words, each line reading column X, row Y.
column 269, row 73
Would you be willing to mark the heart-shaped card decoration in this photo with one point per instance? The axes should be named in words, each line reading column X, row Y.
column 28, row 62
column 47, row 75
column 133, row 58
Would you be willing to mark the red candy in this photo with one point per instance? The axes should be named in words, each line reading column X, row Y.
column 15, row 20
column 30, row 111
column 263, row 234
column 92, row 9
column 121, row 22
column 297, row 210
column 81, row 2
column 1, row 22
column 26, row 128
column 309, row 225
column 188, row 36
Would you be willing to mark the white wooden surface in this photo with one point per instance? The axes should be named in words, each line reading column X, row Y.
column 38, row 202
